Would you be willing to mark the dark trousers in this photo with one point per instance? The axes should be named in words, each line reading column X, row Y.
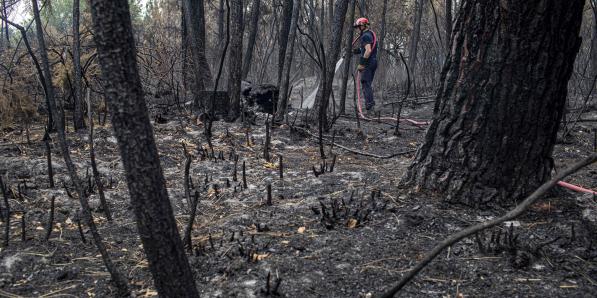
column 367, row 76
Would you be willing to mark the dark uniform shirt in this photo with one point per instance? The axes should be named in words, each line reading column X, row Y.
column 368, row 38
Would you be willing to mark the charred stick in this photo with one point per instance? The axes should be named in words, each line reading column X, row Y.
column 267, row 142
column 47, row 140
column 6, row 213
column 96, row 175
column 244, row 175
column 189, row 229
column 81, row 230
column 50, row 219
column 187, row 167
column 269, row 194
column 281, row 166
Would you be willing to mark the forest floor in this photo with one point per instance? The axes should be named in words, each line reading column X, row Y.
column 362, row 247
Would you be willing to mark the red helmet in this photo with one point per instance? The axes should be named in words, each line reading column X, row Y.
column 361, row 22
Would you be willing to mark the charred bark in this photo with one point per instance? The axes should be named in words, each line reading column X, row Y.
column 194, row 20
column 500, row 102
column 382, row 29
column 7, row 36
column 347, row 59
column 47, row 74
column 130, row 118
column 285, row 86
column 287, row 6
column 220, row 19
column 594, row 40
column 78, row 117
column 414, row 39
column 255, row 11
column 448, row 23
column 235, row 59
column 332, row 54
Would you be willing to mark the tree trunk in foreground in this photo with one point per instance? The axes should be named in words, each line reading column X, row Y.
column 130, row 119
column 500, row 102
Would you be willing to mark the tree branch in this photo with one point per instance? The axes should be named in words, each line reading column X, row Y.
column 451, row 240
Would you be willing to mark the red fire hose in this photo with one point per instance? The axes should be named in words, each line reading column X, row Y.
column 410, row 121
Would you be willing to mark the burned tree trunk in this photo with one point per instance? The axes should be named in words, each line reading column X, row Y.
column 448, row 23
column 325, row 87
column 594, row 40
column 414, row 39
column 283, row 38
column 155, row 220
column 382, row 29
column 7, row 36
column 194, row 22
column 220, row 19
column 235, row 59
column 255, row 10
column 347, row 59
column 285, row 86
column 78, row 118
column 500, row 102
column 47, row 74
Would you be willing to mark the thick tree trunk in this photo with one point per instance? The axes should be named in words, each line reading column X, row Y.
column 414, row 39
column 347, row 58
column 255, row 10
column 284, row 89
column 500, row 102
column 283, row 38
column 235, row 59
column 333, row 52
column 194, row 19
column 78, row 117
column 448, row 23
column 155, row 220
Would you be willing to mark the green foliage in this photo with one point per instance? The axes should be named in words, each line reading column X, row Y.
column 58, row 13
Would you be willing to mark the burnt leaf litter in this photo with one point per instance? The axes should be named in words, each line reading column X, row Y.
column 340, row 227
